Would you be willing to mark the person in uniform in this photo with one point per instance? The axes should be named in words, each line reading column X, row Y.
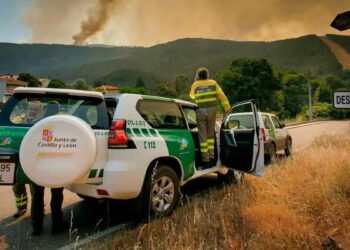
column 33, row 114
column 37, row 211
column 206, row 92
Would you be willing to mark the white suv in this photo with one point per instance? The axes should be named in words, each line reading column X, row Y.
column 125, row 146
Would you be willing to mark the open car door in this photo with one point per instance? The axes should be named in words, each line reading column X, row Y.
column 241, row 143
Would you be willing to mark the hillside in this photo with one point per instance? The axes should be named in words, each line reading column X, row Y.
column 342, row 55
column 343, row 41
column 165, row 61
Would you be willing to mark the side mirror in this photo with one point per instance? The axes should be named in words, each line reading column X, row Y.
column 283, row 125
column 233, row 124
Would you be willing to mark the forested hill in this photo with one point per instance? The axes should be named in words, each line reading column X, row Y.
column 123, row 65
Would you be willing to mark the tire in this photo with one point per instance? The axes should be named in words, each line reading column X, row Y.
column 58, row 151
column 232, row 177
column 161, row 192
column 271, row 157
column 289, row 147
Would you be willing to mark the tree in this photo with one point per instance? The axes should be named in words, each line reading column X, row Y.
column 166, row 89
column 133, row 90
column 140, row 83
column 31, row 80
column 253, row 79
column 81, row 84
column 56, row 83
column 295, row 92
column 180, row 88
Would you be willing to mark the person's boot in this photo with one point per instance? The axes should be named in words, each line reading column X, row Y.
column 60, row 227
column 20, row 211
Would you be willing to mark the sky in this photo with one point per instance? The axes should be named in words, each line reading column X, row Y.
column 150, row 22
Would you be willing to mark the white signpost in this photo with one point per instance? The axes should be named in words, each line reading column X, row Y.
column 341, row 99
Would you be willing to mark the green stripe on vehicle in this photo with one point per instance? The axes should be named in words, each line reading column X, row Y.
column 137, row 132
column 145, row 132
column 152, row 132
column 101, row 173
column 93, row 173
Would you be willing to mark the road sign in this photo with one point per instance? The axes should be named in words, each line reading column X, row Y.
column 341, row 99
column 342, row 21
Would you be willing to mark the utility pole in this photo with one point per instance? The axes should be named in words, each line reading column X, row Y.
column 310, row 102
column 310, row 94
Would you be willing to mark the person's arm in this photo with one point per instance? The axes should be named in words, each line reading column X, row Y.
column 193, row 88
column 223, row 99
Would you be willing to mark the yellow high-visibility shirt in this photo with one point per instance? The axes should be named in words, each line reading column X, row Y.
column 206, row 92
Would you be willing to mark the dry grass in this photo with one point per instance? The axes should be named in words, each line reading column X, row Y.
column 297, row 205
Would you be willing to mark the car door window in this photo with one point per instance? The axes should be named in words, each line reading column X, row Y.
column 276, row 122
column 241, row 146
column 162, row 114
column 190, row 115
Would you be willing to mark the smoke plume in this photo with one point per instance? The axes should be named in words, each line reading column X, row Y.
column 149, row 22
column 95, row 22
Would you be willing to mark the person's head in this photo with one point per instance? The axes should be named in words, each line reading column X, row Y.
column 52, row 108
column 34, row 109
column 202, row 74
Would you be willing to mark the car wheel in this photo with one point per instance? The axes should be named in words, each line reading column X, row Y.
column 271, row 157
column 288, row 150
column 231, row 177
column 161, row 191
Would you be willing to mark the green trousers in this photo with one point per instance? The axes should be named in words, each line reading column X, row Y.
column 21, row 197
column 206, row 118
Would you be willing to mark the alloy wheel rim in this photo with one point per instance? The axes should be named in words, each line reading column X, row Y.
column 163, row 193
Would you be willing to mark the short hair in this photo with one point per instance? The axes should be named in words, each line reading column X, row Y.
column 202, row 74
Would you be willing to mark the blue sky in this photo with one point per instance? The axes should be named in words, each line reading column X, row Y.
column 12, row 28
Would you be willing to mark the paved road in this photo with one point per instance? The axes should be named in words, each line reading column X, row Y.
column 89, row 218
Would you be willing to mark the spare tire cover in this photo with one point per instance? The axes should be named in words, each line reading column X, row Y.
column 58, row 151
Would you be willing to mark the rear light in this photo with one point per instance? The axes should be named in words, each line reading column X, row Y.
column 263, row 133
column 102, row 192
column 117, row 137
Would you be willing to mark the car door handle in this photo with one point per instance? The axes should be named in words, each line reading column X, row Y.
column 233, row 139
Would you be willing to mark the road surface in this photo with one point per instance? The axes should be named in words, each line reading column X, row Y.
column 89, row 218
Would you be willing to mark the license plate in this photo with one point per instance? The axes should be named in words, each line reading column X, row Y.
column 7, row 173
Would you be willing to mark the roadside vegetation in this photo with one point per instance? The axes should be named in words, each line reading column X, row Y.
column 301, row 203
column 279, row 91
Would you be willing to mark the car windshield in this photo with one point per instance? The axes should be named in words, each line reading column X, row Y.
column 27, row 109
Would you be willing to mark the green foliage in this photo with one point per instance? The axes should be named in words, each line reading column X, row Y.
column 140, row 83
column 324, row 93
column 252, row 79
column 97, row 84
column 58, row 84
column 295, row 92
column 122, row 65
column 340, row 113
column 31, row 80
column 180, row 88
column 134, row 90
column 81, row 84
